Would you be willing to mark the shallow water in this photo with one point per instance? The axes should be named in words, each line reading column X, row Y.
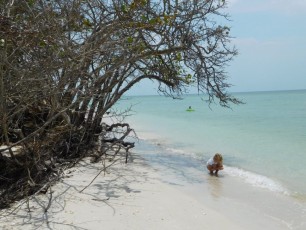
column 263, row 141
column 251, row 206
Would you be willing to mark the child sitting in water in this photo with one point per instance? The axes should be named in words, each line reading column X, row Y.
column 215, row 163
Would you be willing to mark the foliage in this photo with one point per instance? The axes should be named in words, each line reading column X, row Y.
column 65, row 63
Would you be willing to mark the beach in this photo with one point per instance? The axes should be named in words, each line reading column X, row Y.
column 129, row 196
column 170, row 192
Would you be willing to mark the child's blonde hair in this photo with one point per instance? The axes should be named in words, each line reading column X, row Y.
column 218, row 157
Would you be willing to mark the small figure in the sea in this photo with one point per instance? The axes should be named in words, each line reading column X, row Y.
column 190, row 109
column 215, row 163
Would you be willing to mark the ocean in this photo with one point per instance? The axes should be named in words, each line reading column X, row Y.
column 263, row 142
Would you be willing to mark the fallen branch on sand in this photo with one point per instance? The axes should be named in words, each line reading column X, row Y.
column 32, row 173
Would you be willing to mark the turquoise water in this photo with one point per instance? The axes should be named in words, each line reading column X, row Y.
column 263, row 141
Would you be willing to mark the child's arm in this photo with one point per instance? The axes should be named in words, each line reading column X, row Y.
column 219, row 166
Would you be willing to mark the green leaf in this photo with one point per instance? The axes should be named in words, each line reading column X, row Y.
column 143, row 17
column 31, row 2
column 129, row 39
column 42, row 43
column 124, row 8
column 87, row 23
column 152, row 21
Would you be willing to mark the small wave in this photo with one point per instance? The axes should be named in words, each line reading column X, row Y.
column 173, row 150
column 162, row 144
column 256, row 180
column 247, row 176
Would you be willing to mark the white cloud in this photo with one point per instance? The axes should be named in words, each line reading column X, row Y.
column 281, row 6
column 292, row 6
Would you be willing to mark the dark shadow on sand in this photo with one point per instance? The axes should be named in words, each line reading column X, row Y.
column 104, row 190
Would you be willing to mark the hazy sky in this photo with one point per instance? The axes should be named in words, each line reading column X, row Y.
column 270, row 36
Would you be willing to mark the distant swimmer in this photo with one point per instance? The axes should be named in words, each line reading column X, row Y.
column 190, row 109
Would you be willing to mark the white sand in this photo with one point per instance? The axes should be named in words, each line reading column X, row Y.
column 130, row 196
column 139, row 196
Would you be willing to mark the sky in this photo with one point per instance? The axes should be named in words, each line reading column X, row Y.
column 270, row 36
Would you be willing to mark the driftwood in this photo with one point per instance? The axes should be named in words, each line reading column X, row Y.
column 120, row 141
column 34, row 166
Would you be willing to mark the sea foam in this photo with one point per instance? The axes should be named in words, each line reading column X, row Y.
column 256, row 180
column 248, row 177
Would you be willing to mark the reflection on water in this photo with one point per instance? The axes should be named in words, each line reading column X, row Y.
column 215, row 185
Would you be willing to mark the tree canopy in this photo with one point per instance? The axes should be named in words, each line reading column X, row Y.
column 65, row 63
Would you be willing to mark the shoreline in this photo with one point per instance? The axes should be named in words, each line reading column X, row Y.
column 171, row 192
column 252, row 137
column 129, row 196
column 242, row 202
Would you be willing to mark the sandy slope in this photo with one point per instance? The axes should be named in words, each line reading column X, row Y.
column 131, row 196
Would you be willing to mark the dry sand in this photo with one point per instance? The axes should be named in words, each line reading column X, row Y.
column 129, row 196
column 136, row 196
